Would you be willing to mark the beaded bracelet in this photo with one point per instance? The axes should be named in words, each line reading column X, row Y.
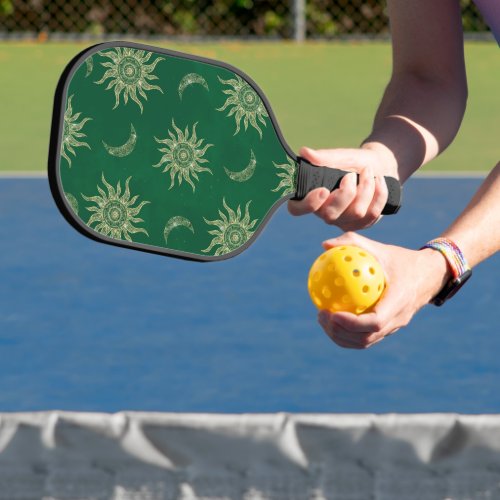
column 452, row 254
column 460, row 269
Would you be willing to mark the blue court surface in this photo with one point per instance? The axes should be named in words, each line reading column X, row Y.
column 90, row 327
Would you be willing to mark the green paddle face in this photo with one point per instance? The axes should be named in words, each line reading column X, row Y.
column 160, row 151
column 170, row 153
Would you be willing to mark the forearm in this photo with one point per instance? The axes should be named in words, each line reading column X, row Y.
column 477, row 230
column 424, row 103
column 416, row 120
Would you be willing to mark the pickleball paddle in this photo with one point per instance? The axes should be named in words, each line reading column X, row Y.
column 171, row 153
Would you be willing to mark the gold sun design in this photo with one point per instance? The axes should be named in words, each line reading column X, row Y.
column 287, row 177
column 115, row 214
column 243, row 102
column 232, row 231
column 129, row 73
column 183, row 155
column 72, row 132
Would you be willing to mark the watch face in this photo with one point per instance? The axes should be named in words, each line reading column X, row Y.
column 451, row 288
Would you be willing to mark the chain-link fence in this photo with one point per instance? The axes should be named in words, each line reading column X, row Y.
column 206, row 18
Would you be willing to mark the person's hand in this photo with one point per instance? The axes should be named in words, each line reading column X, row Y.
column 413, row 278
column 351, row 206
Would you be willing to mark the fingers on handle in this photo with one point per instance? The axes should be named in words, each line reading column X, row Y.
column 311, row 203
column 380, row 197
column 339, row 199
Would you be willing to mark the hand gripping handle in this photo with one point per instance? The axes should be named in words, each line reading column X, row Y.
column 310, row 177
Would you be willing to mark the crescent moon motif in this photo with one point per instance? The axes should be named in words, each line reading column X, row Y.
column 124, row 149
column 89, row 62
column 191, row 79
column 175, row 222
column 246, row 173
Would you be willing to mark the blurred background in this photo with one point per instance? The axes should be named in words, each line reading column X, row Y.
column 338, row 70
column 283, row 19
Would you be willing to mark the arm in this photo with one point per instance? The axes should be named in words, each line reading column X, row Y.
column 477, row 230
column 424, row 103
column 419, row 114
column 415, row 277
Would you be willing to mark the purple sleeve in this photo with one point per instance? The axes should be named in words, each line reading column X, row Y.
column 490, row 9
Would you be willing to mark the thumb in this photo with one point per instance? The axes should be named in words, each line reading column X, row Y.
column 311, row 155
column 349, row 238
column 351, row 159
column 377, row 249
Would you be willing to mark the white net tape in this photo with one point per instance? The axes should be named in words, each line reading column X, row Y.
column 162, row 456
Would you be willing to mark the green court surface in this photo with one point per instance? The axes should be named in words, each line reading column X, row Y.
column 323, row 95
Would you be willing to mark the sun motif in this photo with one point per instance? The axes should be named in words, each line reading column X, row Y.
column 129, row 73
column 232, row 231
column 183, row 155
column 287, row 177
column 115, row 214
column 72, row 132
column 243, row 102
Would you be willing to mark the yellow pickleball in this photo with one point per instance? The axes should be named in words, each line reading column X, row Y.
column 346, row 278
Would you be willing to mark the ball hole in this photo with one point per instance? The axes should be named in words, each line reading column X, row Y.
column 346, row 299
column 372, row 270
column 336, row 306
column 317, row 276
column 366, row 289
column 348, row 258
column 339, row 281
column 379, row 287
column 327, row 293
column 317, row 301
column 362, row 254
column 356, row 273
column 360, row 309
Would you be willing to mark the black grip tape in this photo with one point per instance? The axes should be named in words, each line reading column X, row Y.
column 311, row 177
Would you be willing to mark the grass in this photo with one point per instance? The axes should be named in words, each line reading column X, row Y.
column 323, row 94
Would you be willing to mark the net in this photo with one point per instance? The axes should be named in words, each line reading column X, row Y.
column 159, row 456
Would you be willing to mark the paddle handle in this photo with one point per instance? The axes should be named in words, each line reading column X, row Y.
column 310, row 177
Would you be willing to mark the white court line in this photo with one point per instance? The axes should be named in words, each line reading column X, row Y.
column 23, row 174
column 454, row 174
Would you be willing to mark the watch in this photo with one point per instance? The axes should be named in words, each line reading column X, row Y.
column 459, row 267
